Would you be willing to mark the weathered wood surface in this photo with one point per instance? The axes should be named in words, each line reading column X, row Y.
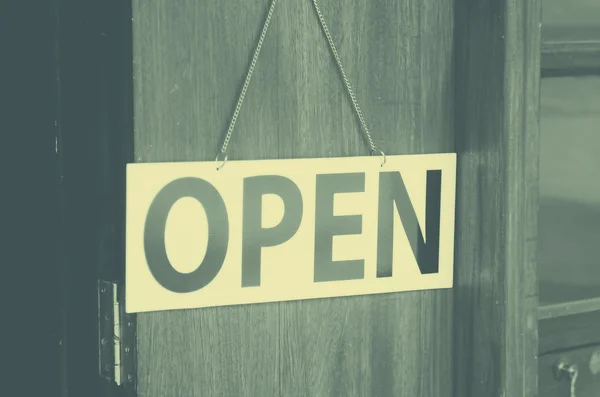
column 497, row 104
column 190, row 60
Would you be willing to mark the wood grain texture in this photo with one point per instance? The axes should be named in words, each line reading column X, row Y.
column 587, row 384
column 497, row 104
column 190, row 60
column 368, row 346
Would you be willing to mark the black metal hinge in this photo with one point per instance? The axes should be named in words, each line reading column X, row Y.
column 117, row 337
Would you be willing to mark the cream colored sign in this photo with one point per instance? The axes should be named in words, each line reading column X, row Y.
column 280, row 230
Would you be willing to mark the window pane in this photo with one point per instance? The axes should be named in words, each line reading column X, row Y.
column 570, row 189
column 570, row 20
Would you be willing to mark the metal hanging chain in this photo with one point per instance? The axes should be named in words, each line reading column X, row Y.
column 223, row 151
column 338, row 61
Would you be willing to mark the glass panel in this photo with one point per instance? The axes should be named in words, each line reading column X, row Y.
column 570, row 20
column 569, row 216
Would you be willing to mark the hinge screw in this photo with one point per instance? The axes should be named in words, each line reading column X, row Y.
column 103, row 341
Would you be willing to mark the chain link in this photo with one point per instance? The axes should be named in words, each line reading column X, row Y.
column 338, row 62
column 345, row 78
column 246, row 84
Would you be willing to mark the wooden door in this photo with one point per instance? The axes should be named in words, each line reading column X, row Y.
column 431, row 76
column 190, row 60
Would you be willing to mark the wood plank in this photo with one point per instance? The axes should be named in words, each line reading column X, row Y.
column 367, row 346
column 587, row 383
column 567, row 332
column 497, row 102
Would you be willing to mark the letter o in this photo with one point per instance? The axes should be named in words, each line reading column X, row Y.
column 154, row 235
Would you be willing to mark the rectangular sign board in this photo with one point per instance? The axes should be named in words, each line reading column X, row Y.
column 280, row 230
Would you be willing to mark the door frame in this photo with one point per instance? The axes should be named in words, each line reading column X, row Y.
column 497, row 96
column 94, row 143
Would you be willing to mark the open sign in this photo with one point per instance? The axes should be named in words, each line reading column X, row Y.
column 279, row 230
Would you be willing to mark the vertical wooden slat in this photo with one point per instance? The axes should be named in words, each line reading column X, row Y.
column 497, row 102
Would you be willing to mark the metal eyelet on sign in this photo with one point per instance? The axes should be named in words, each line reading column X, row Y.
column 223, row 161
column 379, row 151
